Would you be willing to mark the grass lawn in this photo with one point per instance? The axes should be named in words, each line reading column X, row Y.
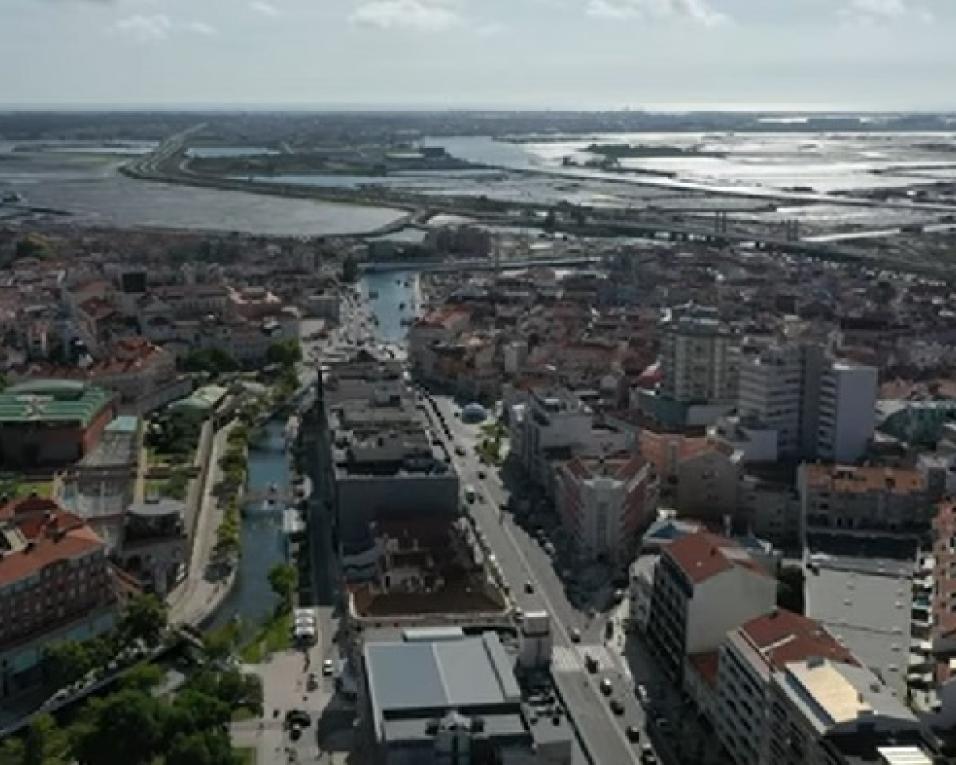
column 43, row 489
column 246, row 756
column 276, row 635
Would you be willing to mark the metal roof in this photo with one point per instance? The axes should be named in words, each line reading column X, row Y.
column 52, row 401
column 440, row 675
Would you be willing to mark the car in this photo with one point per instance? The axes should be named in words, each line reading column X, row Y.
column 295, row 732
column 575, row 635
column 647, row 754
column 312, row 683
column 298, row 718
column 617, row 707
column 591, row 663
column 328, row 668
column 640, row 690
column 633, row 733
column 482, row 475
column 529, row 587
column 460, row 451
column 607, row 687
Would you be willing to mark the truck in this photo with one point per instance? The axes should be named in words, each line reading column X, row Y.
column 470, row 494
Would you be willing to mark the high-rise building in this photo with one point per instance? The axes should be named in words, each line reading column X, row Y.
column 698, row 358
column 818, row 407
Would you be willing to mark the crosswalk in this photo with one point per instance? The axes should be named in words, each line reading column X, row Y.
column 571, row 659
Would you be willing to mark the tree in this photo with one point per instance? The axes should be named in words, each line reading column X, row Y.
column 195, row 711
column 144, row 619
column 143, row 677
column 349, row 269
column 790, row 589
column 126, row 727
column 288, row 353
column 33, row 246
column 213, row 361
column 66, row 662
column 43, row 743
column 283, row 579
column 201, row 748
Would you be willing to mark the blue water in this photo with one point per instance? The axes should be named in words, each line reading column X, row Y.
column 392, row 293
column 263, row 546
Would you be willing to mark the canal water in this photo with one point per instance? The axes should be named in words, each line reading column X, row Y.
column 398, row 297
column 263, row 546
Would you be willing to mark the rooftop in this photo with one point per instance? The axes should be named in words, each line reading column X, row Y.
column 783, row 636
column 703, row 555
column 52, row 401
column 845, row 479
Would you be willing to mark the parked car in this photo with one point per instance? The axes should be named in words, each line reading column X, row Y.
column 529, row 587
column 633, row 733
column 575, row 635
column 640, row 690
column 607, row 687
column 328, row 668
column 617, row 707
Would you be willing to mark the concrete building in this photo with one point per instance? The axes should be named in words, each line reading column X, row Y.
column 550, row 423
column 51, row 422
column 746, row 660
column 847, row 412
column 813, row 405
column 839, row 499
column 55, row 585
column 826, row 712
column 708, row 482
column 436, row 700
column 704, row 586
column 154, row 544
column 698, row 358
column 605, row 503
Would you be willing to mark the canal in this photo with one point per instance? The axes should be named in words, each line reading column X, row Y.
column 263, row 546
column 398, row 299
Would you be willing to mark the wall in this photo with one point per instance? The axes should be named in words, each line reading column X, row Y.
column 726, row 601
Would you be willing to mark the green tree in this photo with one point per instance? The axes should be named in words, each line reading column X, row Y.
column 127, row 727
column 143, row 677
column 201, row 748
column 283, row 579
column 790, row 589
column 194, row 711
column 288, row 353
column 66, row 662
column 144, row 618
column 43, row 743
column 213, row 361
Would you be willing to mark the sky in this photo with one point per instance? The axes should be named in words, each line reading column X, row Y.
column 584, row 54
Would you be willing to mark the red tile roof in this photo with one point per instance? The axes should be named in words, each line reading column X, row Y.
column 51, row 534
column 784, row 636
column 704, row 555
column 706, row 664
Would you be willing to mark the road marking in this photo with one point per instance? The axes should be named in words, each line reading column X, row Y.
column 542, row 593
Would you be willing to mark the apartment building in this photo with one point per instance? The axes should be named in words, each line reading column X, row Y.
column 841, row 498
column 55, row 584
column 746, row 660
column 812, row 405
column 704, row 586
column 830, row 712
column 698, row 357
column 605, row 502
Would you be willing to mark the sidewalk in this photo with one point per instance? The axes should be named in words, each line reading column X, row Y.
column 198, row 596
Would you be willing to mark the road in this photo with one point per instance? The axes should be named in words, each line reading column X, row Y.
column 522, row 560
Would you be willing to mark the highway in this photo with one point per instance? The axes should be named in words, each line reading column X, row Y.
column 523, row 560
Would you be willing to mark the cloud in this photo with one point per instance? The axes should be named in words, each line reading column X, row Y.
column 263, row 7
column 202, row 28
column 697, row 11
column 144, row 29
column 416, row 15
column 881, row 11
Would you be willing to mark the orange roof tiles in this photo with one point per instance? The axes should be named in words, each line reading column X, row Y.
column 704, row 555
column 842, row 479
column 784, row 636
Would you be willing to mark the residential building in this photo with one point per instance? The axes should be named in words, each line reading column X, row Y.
column 442, row 697
column 55, row 584
column 847, row 411
column 46, row 423
column 698, row 360
column 605, row 502
column 746, row 659
column 841, row 499
column 704, row 586
column 771, row 394
column 708, row 481
column 550, row 422
column 830, row 712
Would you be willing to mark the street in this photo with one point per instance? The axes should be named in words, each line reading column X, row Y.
column 523, row 560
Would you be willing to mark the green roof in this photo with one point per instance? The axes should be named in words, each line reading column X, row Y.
column 60, row 401
column 203, row 399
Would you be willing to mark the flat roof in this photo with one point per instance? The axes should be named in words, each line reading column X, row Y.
column 867, row 612
column 448, row 674
column 52, row 401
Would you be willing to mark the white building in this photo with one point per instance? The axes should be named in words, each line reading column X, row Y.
column 847, row 411
column 825, row 712
column 549, row 420
column 704, row 586
column 746, row 660
column 604, row 503
column 815, row 406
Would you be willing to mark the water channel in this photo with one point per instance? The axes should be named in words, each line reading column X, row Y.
column 263, row 546
column 393, row 296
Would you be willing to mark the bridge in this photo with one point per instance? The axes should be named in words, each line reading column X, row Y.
column 479, row 264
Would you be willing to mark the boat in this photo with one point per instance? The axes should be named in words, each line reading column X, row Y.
column 273, row 488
